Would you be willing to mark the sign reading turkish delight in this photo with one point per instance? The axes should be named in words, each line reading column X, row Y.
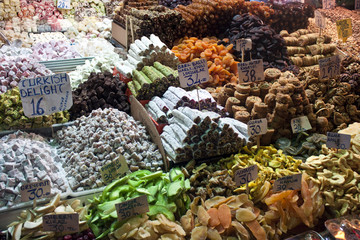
column 67, row 222
column 251, row 71
column 338, row 140
column 35, row 190
column 132, row 207
column 114, row 170
column 193, row 73
column 46, row 95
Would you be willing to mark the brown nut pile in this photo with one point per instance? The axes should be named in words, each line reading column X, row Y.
column 334, row 102
column 337, row 174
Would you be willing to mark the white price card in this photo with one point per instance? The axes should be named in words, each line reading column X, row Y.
column 45, row 95
column 257, row 127
column 64, row 4
column 338, row 140
column 35, row 190
column 243, row 44
column 251, row 71
column 319, row 19
column 132, row 207
column 357, row 4
column 193, row 73
column 328, row 4
column 114, row 170
column 300, row 124
column 65, row 222
column 292, row 182
column 246, row 175
column 329, row 67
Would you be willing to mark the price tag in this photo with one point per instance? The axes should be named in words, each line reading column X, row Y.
column 67, row 222
column 319, row 19
column 292, row 182
column 344, row 29
column 251, row 71
column 328, row 4
column 338, row 140
column 132, row 207
column 64, row 4
column 246, row 175
column 35, row 190
column 300, row 124
column 243, row 44
column 45, row 95
column 257, row 127
column 114, row 170
column 329, row 67
column 193, row 73
column 357, row 4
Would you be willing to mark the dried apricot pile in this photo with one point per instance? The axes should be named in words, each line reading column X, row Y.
column 221, row 63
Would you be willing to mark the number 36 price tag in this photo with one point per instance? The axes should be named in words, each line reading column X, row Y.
column 251, row 71
column 114, row 170
column 35, row 190
column 257, row 127
column 193, row 73
column 132, row 207
column 45, row 95
column 246, row 175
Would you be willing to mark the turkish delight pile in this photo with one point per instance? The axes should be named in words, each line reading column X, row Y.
column 25, row 158
column 54, row 50
column 100, row 138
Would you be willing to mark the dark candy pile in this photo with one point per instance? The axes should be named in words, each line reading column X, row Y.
column 173, row 3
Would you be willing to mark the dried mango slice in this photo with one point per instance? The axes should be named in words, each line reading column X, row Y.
column 256, row 229
column 214, row 217
column 224, row 215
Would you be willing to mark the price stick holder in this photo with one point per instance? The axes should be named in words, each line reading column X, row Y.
column 246, row 175
column 319, row 20
column 243, row 44
column 257, row 127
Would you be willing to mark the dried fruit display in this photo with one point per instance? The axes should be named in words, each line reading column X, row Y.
column 166, row 195
column 101, row 90
column 305, row 48
column 81, row 9
column 303, row 146
column 100, row 138
column 224, row 218
column 289, row 209
column 351, row 74
column 337, row 174
column 12, row 114
column 221, row 63
column 193, row 134
column 30, row 221
column 266, row 43
column 173, row 3
column 291, row 16
column 272, row 164
column 13, row 69
column 28, row 158
column 124, row 9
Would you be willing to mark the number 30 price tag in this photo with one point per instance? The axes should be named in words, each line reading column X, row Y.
column 257, row 127
column 45, row 95
column 67, row 222
column 251, row 71
column 193, row 73
column 35, row 190
column 246, row 175
column 292, row 182
column 338, row 140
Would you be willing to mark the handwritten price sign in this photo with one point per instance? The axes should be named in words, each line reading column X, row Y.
column 300, row 124
column 357, row 4
column 344, row 28
column 67, row 222
column 246, row 175
column 257, row 127
column 35, row 190
column 319, row 19
column 292, row 182
column 338, row 140
column 45, row 95
column 132, row 207
column 251, row 71
column 193, row 73
column 329, row 67
column 243, row 44
column 114, row 170
column 328, row 4
column 64, row 4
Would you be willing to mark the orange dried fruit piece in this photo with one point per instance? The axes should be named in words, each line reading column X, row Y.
column 277, row 197
column 245, row 215
column 224, row 215
column 256, row 229
column 214, row 217
column 203, row 216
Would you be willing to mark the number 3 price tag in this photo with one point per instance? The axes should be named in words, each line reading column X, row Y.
column 292, row 182
column 251, row 71
column 45, row 95
column 329, row 67
column 338, row 140
column 132, row 207
column 193, row 73
column 300, row 124
column 246, row 175
column 35, row 190
column 114, row 170
column 257, row 127
column 67, row 222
